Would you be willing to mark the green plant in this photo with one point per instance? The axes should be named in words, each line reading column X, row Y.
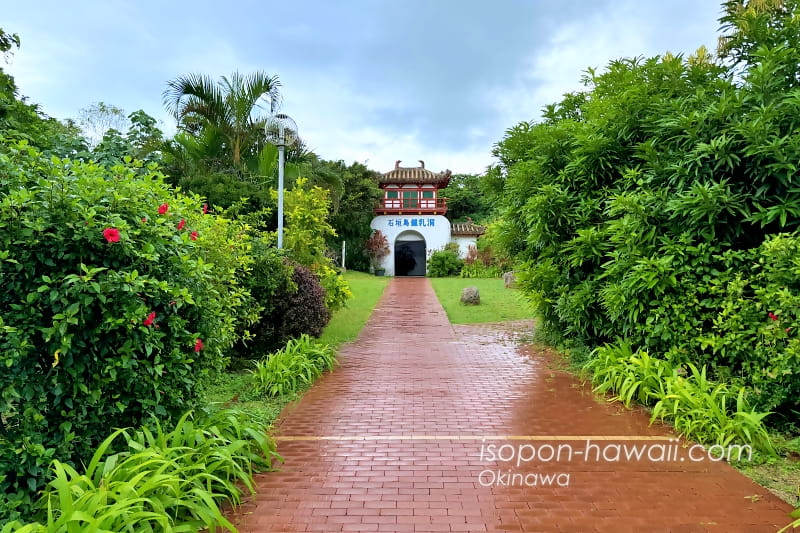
column 112, row 311
column 293, row 367
column 657, row 205
column 297, row 308
column 698, row 407
column 307, row 228
column 445, row 263
column 631, row 376
column 159, row 481
column 269, row 282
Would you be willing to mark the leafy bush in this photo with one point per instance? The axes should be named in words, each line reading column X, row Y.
column 698, row 407
column 446, row 262
column 112, row 314
column 478, row 264
column 659, row 206
column 307, row 227
column 159, row 481
column 298, row 307
column 293, row 367
column 479, row 270
column 269, row 280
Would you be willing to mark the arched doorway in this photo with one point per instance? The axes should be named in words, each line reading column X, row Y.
column 409, row 254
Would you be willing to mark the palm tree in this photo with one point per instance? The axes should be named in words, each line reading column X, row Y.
column 231, row 107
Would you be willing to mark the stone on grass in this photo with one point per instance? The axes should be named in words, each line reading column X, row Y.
column 510, row 280
column 470, row 296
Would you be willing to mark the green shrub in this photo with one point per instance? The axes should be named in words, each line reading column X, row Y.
column 269, row 281
column 479, row 270
column 753, row 332
column 307, row 227
column 297, row 308
column 159, row 481
column 699, row 408
column 112, row 313
column 659, row 206
column 446, row 262
column 293, row 367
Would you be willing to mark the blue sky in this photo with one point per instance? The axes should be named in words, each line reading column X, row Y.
column 366, row 80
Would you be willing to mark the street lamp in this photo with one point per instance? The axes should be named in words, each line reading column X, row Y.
column 281, row 131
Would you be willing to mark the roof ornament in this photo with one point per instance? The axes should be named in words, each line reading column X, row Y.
column 421, row 163
column 397, row 164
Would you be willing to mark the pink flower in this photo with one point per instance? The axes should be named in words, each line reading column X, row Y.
column 144, row 220
column 198, row 345
column 773, row 316
column 194, row 235
column 111, row 234
column 150, row 318
column 181, row 224
column 163, row 208
column 205, row 209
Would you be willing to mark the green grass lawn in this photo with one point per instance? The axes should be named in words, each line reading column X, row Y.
column 498, row 304
column 346, row 323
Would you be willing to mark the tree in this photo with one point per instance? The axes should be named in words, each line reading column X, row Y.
column 465, row 198
column 230, row 107
column 100, row 117
column 356, row 193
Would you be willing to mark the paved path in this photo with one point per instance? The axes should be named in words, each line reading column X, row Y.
column 409, row 434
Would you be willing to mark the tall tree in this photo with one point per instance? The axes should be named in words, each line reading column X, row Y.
column 232, row 106
column 100, row 117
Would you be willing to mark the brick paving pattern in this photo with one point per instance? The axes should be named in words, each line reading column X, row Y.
column 402, row 435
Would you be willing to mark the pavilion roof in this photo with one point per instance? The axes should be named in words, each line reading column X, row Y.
column 468, row 228
column 415, row 175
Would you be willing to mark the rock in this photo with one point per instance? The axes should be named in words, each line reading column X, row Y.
column 510, row 280
column 470, row 296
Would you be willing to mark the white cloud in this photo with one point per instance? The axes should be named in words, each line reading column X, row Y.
column 439, row 81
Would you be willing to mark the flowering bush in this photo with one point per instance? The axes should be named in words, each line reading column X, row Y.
column 110, row 314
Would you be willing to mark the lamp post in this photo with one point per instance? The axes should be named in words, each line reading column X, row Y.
column 281, row 131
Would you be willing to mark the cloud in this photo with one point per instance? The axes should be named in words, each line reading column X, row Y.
column 374, row 80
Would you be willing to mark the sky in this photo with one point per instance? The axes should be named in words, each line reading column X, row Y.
column 372, row 81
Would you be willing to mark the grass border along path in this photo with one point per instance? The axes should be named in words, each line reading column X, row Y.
column 498, row 304
column 347, row 323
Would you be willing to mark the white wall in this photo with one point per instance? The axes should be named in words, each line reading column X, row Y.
column 434, row 228
column 464, row 242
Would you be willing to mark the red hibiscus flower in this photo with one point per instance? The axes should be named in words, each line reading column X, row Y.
column 162, row 209
column 111, row 234
column 198, row 345
column 773, row 316
column 150, row 319
column 194, row 235
column 181, row 224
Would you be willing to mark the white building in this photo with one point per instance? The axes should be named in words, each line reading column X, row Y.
column 411, row 216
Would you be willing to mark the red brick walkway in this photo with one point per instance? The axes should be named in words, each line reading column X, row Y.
column 422, row 426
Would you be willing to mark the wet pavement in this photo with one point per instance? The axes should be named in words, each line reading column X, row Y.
column 430, row 427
